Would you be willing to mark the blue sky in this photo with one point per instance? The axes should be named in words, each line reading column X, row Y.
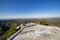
column 29, row 8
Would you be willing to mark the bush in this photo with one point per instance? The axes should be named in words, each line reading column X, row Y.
column 10, row 31
column 43, row 22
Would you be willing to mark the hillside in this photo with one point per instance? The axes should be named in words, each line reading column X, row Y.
column 10, row 25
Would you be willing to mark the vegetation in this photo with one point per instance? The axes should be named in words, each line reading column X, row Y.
column 10, row 31
column 43, row 22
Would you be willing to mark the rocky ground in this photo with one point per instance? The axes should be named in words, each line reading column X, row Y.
column 39, row 32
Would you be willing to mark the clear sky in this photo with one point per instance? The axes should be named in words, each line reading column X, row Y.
column 29, row 8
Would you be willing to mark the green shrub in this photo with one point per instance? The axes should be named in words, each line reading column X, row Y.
column 10, row 31
column 43, row 22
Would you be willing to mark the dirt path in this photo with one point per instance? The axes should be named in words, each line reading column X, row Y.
column 39, row 32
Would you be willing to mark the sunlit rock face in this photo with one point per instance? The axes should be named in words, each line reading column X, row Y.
column 39, row 32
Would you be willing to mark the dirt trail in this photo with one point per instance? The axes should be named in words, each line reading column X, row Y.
column 39, row 32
